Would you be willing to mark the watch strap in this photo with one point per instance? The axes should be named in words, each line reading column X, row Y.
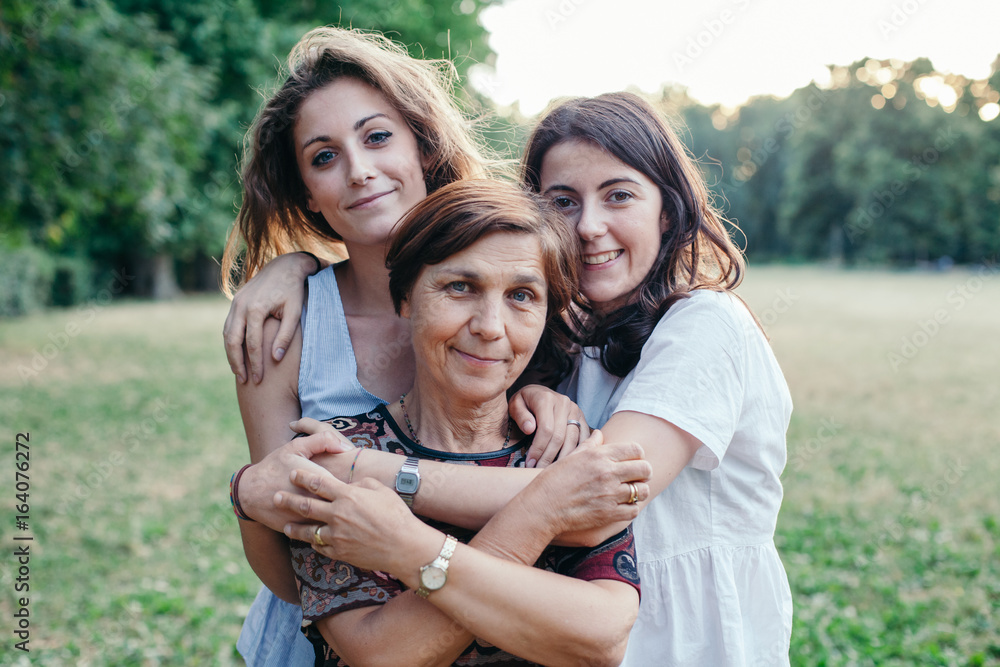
column 441, row 562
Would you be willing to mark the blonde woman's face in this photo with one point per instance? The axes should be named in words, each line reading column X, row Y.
column 616, row 210
column 359, row 160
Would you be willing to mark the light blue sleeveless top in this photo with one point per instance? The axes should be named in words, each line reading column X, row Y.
column 328, row 387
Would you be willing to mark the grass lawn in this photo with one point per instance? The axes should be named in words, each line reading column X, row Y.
column 890, row 529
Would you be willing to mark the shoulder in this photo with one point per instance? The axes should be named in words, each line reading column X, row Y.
column 705, row 315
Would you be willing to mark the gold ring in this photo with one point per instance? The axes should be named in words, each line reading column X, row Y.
column 317, row 538
column 633, row 497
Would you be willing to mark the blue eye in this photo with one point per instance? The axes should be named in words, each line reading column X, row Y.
column 521, row 296
column 379, row 137
column 323, row 157
column 458, row 286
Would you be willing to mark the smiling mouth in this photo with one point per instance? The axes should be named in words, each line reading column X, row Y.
column 603, row 258
column 368, row 200
column 477, row 360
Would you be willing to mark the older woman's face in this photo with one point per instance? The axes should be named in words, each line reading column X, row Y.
column 478, row 316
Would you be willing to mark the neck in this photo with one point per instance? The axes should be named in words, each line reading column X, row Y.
column 364, row 281
column 453, row 426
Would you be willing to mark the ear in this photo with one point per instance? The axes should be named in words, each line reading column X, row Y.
column 664, row 223
column 404, row 309
column 310, row 203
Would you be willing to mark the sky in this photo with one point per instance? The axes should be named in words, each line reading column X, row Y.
column 723, row 51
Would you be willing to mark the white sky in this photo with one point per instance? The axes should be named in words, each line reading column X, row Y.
column 724, row 51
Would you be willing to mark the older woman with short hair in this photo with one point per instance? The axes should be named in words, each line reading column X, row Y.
column 479, row 268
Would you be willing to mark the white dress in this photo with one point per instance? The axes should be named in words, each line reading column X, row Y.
column 714, row 591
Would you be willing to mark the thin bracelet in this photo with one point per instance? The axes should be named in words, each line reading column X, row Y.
column 234, row 494
column 319, row 264
column 350, row 477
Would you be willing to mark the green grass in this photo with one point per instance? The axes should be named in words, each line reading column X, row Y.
column 890, row 528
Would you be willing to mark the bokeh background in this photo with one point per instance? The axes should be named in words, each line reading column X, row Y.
column 867, row 198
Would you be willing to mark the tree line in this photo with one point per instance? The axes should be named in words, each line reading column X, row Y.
column 121, row 125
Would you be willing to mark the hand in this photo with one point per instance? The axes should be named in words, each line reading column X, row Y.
column 591, row 488
column 278, row 290
column 365, row 524
column 270, row 475
column 547, row 413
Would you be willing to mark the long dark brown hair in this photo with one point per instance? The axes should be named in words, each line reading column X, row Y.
column 696, row 251
column 274, row 217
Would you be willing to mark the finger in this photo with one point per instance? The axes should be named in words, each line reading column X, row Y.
column 624, row 451
column 286, row 331
column 318, row 482
column 325, row 442
column 548, row 455
column 547, row 436
column 636, row 470
column 309, row 426
column 521, row 415
column 305, row 532
column 232, row 335
column 641, row 493
column 254, row 343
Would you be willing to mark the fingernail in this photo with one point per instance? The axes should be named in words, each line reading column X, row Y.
column 241, row 378
column 279, row 353
column 278, row 497
column 256, row 379
column 295, row 475
column 527, row 425
column 531, row 463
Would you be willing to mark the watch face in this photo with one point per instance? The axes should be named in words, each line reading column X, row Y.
column 407, row 482
column 433, row 577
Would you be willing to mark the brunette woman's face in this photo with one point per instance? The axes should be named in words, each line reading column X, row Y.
column 359, row 160
column 616, row 210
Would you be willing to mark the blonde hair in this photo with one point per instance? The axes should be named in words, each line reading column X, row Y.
column 274, row 217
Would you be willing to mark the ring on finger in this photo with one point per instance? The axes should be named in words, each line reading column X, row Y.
column 317, row 538
column 573, row 422
column 633, row 496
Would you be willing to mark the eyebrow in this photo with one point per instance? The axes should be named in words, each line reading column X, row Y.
column 357, row 126
column 472, row 276
column 607, row 183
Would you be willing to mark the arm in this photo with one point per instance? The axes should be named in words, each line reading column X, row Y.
column 492, row 590
column 469, row 496
column 266, row 409
column 278, row 288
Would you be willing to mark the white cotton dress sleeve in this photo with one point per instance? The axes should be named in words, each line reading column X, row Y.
column 714, row 591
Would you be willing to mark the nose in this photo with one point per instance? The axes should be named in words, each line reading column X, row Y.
column 360, row 167
column 591, row 223
column 487, row 321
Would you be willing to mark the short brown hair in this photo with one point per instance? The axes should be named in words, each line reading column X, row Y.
column 457, row 215
column 274, row 217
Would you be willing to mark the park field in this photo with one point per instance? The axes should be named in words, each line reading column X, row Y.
column 889, row 531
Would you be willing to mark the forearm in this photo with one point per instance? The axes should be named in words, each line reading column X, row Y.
column 269, row 557
column 494, row 591
column 461, row 495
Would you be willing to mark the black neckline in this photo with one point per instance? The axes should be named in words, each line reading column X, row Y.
column 383, row 411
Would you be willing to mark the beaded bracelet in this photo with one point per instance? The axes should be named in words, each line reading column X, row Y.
column 234, row 494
